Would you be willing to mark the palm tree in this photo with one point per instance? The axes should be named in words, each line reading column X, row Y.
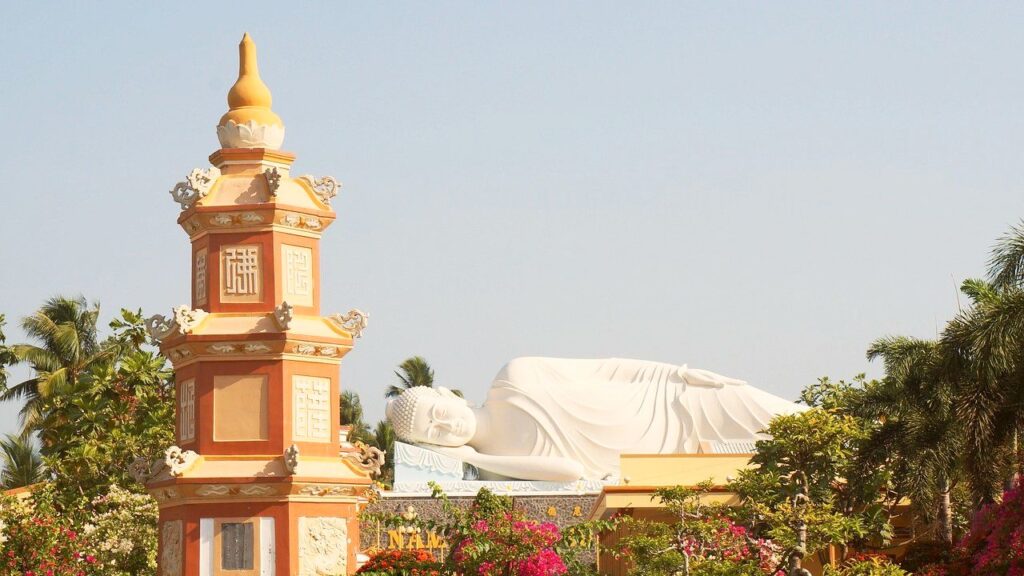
column 415, row 371
column 351, row 414
column 7, row 356
column 22, row 465
column 68, row 346
column 918, row 435
column 412, row 372
column 384, row 438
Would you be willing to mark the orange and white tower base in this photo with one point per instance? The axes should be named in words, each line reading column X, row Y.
column 257, row 484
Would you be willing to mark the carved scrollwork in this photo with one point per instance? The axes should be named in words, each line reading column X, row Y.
column 256, row 348
column 179, row 461
column 187, row 319
column 291, row 459
column 325, row 188
column 353, row 322
column 195, row 186
column 221, row 349
column 142, row 469
column 369, row 459
column 273, row 180
column 283, row 315
column 159, row 326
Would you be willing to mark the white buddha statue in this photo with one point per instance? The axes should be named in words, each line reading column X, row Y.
column 561, row 420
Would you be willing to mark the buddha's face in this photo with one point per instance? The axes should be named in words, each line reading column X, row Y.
column 443, row 420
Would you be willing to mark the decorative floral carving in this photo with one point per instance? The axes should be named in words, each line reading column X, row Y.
column 256, row 348
column 323, row 546
column 300, row 221
column 187, row 319
column 368, row 458
column 222, row 220
column 256, row 490
column 195, row 186
column 306, row 349
column 159, row 327
column 180, row 354
column 283, row 315
column 221, row 348
column 165, row 494
column 326, row 490
column 291, row 459
column 250, row 135
column 250, row 218
column 213, row 490
column 170, row 548
column 328, row 351
column 325, row 188
column 179, row 461
column 273, row 178
column 353, row 322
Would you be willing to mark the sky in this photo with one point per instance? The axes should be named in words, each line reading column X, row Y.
column 757, row 189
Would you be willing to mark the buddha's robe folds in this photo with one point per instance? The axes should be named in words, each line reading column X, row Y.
column 592, row 411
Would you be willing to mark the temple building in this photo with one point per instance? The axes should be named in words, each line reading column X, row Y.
column 256, row 484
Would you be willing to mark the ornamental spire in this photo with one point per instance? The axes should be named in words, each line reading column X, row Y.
column 249, row 122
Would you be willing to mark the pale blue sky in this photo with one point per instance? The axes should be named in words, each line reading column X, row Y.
column 752, row 188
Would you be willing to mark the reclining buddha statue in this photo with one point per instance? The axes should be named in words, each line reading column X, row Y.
column 560, row 420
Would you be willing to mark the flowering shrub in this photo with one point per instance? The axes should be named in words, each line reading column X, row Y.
column 401, row 563
column 506, row 544
column 995, row 543
column 115, row 535
column 703, row 540
column 123, row 527
column 37, row 542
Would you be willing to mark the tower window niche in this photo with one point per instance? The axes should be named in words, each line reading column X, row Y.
column 236, row 547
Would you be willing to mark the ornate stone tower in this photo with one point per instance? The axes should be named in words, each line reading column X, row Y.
column 257, row 484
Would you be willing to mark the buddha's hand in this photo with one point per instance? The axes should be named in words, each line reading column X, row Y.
column 706, row 378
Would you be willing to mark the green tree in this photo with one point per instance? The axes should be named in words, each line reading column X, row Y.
column 21, row 462
column 67, row 347
column 701, row 539
column 119, row 409
column 351, row 414
column 793, row 487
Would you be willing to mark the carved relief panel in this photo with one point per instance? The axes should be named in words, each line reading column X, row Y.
column 323, row 546
column 311, row 405
column 241, row 273
column 199, row 278
column 297, row 271
column 187, row 411
column 170, row 548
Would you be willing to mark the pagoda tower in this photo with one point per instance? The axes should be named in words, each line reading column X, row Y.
column 259, row 482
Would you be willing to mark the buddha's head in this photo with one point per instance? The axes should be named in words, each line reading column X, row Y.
column 432, row 416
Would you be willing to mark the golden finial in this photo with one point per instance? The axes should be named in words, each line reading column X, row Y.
column 249, row 98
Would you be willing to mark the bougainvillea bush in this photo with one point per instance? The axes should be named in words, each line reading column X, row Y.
column 34, row 541
column 995, row 543
column 115, row 535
